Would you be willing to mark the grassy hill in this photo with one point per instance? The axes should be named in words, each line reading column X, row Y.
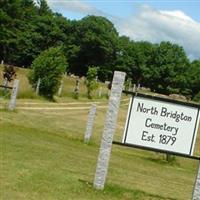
column 43, row 155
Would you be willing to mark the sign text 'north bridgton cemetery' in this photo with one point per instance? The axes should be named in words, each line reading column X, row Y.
column 161, row 125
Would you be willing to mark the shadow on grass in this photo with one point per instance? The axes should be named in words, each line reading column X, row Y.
column 119, row 192
column 163, row 160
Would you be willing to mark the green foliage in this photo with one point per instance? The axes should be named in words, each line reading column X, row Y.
column 42, row 142
column 91, row 82
column 126, row 52
column 197, row 97
column 17, row 31
column 128, row 84
column 141, row 69
column 96, row 41
column 49, row 67
column 29, row 27
column 167, row 69
column 9, row 72
column 193, row 76
column 76, row 89
column 170, row 159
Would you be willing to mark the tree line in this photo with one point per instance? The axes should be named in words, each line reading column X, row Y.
column 27, row 29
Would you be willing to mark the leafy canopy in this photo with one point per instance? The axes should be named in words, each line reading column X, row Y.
column 49, row 67
column 91, row 81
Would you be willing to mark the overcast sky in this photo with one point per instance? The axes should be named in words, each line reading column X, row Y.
column 177, row 21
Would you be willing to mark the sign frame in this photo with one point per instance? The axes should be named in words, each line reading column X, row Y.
column 162, row 100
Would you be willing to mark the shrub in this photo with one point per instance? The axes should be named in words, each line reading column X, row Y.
column 49, row 67
column 9, row 73
column 91, row 82
column 197, row 97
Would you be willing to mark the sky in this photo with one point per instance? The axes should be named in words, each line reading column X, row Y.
column 177, row 21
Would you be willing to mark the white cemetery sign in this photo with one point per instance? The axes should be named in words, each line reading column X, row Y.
column 161, row 124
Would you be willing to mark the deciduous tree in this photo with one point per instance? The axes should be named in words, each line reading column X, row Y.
column 49, row 67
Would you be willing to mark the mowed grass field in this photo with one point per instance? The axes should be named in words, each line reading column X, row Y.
column 43, row 155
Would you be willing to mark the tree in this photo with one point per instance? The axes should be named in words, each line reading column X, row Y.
column 9, row 73
column 21, row 36
column 96, row 38
column 144, row 58
column 167, row 72
column 193, row 77
column 49, row 67
column 135, row 58
column 43, row 7
column 91, row 82
column 15, row 18
column 125, row 56
column 197, row 97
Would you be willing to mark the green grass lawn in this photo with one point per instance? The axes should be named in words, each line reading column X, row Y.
column 43, row 156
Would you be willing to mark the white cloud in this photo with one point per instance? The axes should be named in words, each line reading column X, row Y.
column 147, row 24
column 74, row 6
column 156, row 26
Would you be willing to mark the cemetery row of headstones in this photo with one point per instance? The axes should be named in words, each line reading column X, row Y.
column 109, row 127
column 76, row 91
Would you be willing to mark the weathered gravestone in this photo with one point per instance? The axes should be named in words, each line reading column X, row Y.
column 100, row 92
column 60, row 89
column 76, row 89
column 109, row 129
column 90, row 123
column 38, row 87
column 12, row 102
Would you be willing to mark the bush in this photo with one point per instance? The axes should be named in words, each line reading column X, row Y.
column 91, row 82
column 197, row 97
column 49, row 67
column 9, row 73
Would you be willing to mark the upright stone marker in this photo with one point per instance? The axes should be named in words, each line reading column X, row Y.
column 129, row 86
column 76, row 89
column 90, row 123
column 134, row 88
column 196, row 192
column 38, row 87
column 109, row 129
column 12, row 102
column 138, row 87
column 100, row 92
column 60, row 89
column 5, row 84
